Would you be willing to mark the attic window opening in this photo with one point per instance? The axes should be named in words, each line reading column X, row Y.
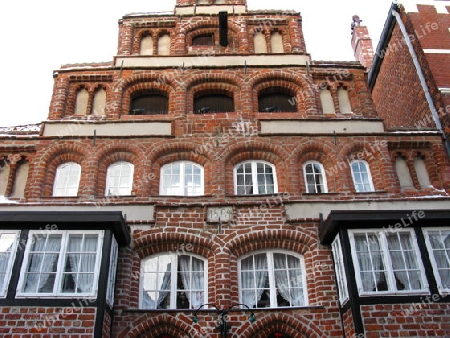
column 213, row 103
column 276, row 100
column 203, row 40
column 149, row 104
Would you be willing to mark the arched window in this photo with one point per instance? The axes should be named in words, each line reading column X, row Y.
column 20, row 181
column 361, row 176
column 327, row 102
column 213, row 103
column 149, row 104
column 344, row 101
column 173, row 281
column 182, row 179
column 99, row 102
column 259, row 41
column 67, row 179
column 203, row 40
column 315, row 179
column 421, row 172
column 4, row 176
column 164, row 44
column 276, row 99
column 403, row 174
column 119, row 179
column 81, row 102
column 272, row 279
column 146, row 47
column 255, row 178
column 276, row 42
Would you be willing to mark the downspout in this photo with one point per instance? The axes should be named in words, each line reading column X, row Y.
column 423, row 82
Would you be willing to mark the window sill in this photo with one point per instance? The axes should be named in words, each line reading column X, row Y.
column 396, row 294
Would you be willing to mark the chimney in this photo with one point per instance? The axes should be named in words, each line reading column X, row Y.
column 361, row 43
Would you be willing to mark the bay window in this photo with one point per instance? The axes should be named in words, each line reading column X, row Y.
column 8, row 245
column 438, row 244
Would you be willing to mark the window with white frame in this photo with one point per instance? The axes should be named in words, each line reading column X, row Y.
column 361, row 176
column 67, row 179
column 315, row 179
column 387, row 262
column 119, row 179
column 339, row 270
column 112, row 272
column 61, row 263
column 9, row 240
column 255, row 178
column 172, row 281
column 438, row 244
column 272, row 279
column 182, row 179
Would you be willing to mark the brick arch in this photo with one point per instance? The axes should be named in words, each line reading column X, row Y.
column 320, row 152
column 210, row 23
column 301, row 86
column 254, row 150
column 147, row 83
column 372, row 155
column 154, row 326
column 110, row 156
column 290, row 240
column 55, row 157
column 148, row 243
column 287, row 323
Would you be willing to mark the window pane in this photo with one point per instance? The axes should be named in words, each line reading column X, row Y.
column 440, row 255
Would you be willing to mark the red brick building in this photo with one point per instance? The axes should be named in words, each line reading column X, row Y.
column 213, row 180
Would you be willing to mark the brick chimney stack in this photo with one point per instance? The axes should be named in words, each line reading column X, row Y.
column 361, row 43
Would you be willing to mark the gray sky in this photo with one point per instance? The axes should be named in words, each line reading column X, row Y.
column 39, row 36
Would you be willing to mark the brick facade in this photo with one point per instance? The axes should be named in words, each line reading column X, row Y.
column 289, row 220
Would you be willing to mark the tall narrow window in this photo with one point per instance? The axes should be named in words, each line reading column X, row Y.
column 112, row 272
column 344, row 101
column 146, row 47
column 327, row 102
column 9, row 240
column 438, row 244
column 61, row 263
column 421, row 171
column 81, row 102
column 387, row 262
column 67, row 179
column 272, row 279
column 119, row 179
column 259, row 41
column 171, row 281
column 164, row 44
column 361, row 176
column 182, row 179
column 403, row 174
column 315, row 180
column 20, row 181
column 276, row 42
column 254, row 178
column 213, row 103
column 339, row 270
column 4, row 176
column 99, row 102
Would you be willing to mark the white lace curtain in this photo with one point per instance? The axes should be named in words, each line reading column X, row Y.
column 254, row 279
column 288, row 282
column 82, row 255
column 370, row 261
column 192, row 276
column 440, row 243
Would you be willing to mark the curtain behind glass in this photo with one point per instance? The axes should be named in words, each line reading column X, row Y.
column 193, row 279
column 254, row 275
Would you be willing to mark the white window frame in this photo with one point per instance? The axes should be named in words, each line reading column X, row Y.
column 272, row 282
column 60, row 171
column 12, row 255
column 322, row 173
column 369, row 176
column 121, row 178
column 57, row 292
column 112, row 272
column 339, row 268
column 254, row 164
column 437, row 276
column 387, row 262
column 173, row 281
column 182, row 179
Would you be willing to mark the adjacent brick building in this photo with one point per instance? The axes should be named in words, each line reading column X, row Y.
column 213, row 180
